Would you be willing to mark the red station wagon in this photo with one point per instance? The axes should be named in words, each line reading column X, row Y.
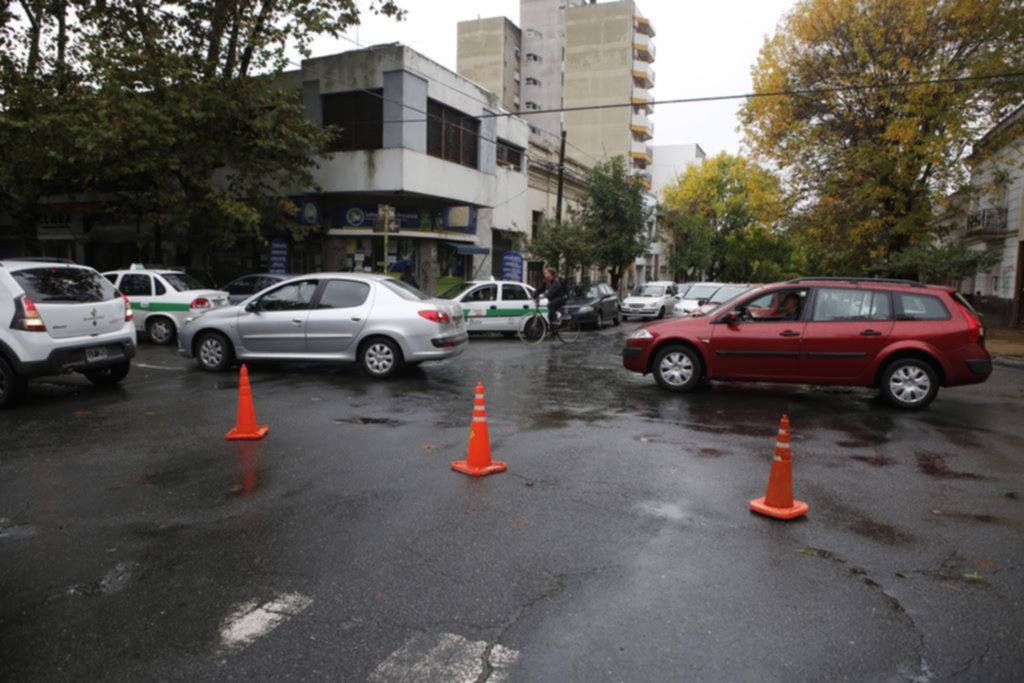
column 905, row 338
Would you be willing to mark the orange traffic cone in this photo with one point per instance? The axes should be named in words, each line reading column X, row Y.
column 478, row 462
column 778, row 500
column 246, row 427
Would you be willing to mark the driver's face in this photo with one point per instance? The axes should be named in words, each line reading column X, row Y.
column 548, row 277
column 790, row 304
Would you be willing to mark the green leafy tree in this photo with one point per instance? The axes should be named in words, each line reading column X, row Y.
column 171, row 112
column 563, row 246
column 615, row 216
column 945, row 263
column 866, row 165
column 725, row 217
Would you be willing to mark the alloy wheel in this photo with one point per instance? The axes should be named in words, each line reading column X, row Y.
column 379, row 358
column 910, row 384
column 676, row 368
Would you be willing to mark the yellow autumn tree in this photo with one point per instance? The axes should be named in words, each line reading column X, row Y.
column 865, row 148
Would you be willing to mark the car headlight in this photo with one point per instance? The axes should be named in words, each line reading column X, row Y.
column 642, row 333
column 586, row 309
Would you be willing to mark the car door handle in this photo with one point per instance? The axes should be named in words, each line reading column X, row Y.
column 494, row 308
column 296, row 321
column 355, row 320
column 789, row 333
column 526, row 308
column 871, row 333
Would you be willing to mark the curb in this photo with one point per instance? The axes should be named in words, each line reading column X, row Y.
column 1009, row 361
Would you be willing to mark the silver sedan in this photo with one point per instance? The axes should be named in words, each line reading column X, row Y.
column 374, row 320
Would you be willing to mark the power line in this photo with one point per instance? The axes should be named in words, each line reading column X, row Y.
column 775, row 93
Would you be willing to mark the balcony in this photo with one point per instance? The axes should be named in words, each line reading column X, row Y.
column 641, row 153
column 643, row 47
column 987, row 220
column 642, row 126
column 643, row 25
column 643, row 74
column 641, row 98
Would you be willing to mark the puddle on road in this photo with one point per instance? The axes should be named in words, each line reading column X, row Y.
column 386, row 421
column 883, row 533
column 10, row 530
column 934, row 465
column 175, row 475
column 113, row 581
column 659, row 509
column 873, row 460
column 854, row 444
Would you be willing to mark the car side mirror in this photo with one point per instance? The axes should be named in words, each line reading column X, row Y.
column 730, row 318
column 253, row 306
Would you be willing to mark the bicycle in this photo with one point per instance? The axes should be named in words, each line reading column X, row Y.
column 535, row 327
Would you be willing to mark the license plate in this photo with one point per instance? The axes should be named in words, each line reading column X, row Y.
column 93, row 355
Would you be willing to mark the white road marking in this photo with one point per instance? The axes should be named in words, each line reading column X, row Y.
column 251, row 621
column 444, row 658
column 155, row 367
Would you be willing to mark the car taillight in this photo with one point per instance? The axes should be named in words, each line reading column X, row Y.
column 28, row 318
column 128, row 313
column 975, row 330
column 436, row 317
column 201, row 302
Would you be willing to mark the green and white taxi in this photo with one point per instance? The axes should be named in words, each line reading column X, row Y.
column 494, row 305
column 162, row 298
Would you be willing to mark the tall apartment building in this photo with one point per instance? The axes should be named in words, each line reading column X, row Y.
column 489, row 54
column 574, row 53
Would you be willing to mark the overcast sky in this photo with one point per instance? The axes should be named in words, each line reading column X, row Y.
column 703, row 48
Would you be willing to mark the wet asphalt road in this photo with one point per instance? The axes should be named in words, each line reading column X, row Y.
column 137, row 544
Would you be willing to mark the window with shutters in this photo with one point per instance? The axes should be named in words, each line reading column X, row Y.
column 452, row 135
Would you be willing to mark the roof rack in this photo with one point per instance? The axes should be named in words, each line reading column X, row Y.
column 39, row 259
column 858, row 280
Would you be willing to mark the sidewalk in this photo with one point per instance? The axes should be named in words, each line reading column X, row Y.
column 1006, row 344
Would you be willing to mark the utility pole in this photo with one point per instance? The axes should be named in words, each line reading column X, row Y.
column 561, row 180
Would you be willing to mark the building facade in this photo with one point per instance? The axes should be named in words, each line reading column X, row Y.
column 991, row 218
column 489, row 54
column 439, row 151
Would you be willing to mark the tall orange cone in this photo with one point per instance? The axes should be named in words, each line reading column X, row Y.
column 478, row 461
column 246, row 427
column 778, row 500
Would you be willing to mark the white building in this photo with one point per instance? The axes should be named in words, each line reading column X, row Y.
column 994, row 221
column 670, row 162
column 435, row 146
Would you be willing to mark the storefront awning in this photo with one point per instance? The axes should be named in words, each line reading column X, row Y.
column 467, row 249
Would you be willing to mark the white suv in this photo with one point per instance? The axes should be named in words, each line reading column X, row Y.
column 57, row 317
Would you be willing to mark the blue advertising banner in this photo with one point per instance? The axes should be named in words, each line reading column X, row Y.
column 512, row 266
column 452, row 219
column 278, row 261
column 308, row 212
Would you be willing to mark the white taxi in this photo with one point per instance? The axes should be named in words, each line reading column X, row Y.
column 494, row 305
column 162, row 298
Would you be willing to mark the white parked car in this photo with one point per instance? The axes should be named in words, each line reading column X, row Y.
column 696, row 296
column 651, row 300
column 494, row 305
column 59, row 317
column 163, row 298
column 724, row 293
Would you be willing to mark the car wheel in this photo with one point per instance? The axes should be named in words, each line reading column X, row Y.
column 600, row 321
column 909, row 383
column 160, row 331
column 661, row 313
column 108, row 377
column 11, row 385
column 677, row 368
column 380, row 358
column 214, row 352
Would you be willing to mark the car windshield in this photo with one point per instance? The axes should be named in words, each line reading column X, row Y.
column 182, row 282
column 702, row 291
column 649, row 290
column 54, row 285
column 717, row 306
column 726, row 293
column 407, row 292
column 587, row 292
column 456, row 291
